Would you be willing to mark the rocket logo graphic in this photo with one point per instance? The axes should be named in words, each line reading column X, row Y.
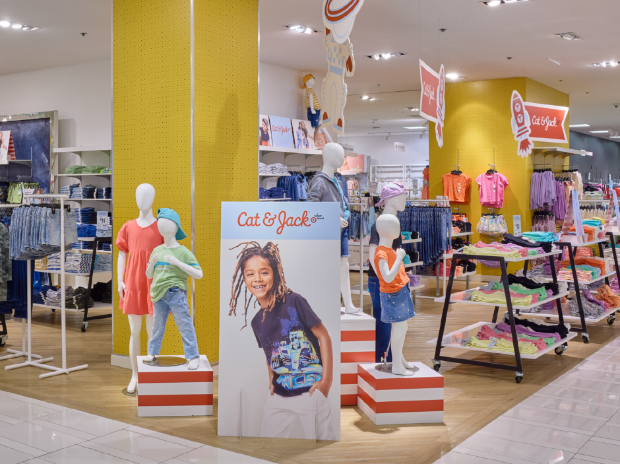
column 441, row 106
column 520, row 123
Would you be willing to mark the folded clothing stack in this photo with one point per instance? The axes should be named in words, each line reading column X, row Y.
column 82, row 245
column 103, row 263
column 105, row 246
column 78, row 300
column 78, row 263
column 79, row 169
column 86, row 215
column 86, row 230
column 104, row 193
column 414, row 280
column 458, row 272
column 275, row 192
column 40, row 264
column 461, row 226
column 263, row 193
column 38, row 294
column 547, row 246
column 53, row 296
column 273, row 169
column 67, row 189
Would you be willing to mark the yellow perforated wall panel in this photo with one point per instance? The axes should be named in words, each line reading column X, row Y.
column 477, row 123
column 151, row 78
column 226, row 41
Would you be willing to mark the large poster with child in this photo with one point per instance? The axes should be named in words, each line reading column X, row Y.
column 279, row 364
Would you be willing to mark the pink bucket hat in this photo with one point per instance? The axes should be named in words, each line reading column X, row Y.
column 391, row 190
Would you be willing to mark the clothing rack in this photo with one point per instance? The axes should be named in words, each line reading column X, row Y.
column 456, row 339
column 39, row 362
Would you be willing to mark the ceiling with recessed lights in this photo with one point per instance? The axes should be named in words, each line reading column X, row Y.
column 476, row 45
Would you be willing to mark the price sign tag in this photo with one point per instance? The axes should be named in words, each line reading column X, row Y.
column 102, row 220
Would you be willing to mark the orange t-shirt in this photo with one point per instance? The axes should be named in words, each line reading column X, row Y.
column 401, row 278
column 456, row 188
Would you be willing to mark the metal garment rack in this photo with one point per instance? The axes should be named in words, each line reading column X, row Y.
column 452, row 340
column 38, row 362
column 610, row 314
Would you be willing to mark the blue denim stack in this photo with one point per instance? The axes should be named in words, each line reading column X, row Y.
column 86, row 215
column 104, row 193
column 66, row 190
column 103, row 263
column 87, row 230
column 81, row 245
column 105, row 246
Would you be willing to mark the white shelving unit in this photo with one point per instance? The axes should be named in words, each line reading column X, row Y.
column 80, row 151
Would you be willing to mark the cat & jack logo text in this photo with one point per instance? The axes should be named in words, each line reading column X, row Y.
column 280, row 220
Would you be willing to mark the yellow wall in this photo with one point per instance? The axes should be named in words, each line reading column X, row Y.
column 477, row 125
column 152, row 124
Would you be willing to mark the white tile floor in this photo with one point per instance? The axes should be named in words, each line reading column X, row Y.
column 574, row 420
column 35, row 432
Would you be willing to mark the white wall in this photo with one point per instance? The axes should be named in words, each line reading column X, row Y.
column 382, row 151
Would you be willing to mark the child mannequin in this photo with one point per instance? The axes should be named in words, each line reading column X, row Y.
column 169, row 287
column 396, row 303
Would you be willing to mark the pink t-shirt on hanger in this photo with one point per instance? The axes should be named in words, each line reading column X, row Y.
column 492, row 189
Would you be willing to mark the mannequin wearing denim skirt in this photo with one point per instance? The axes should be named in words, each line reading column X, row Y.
column 396, row 303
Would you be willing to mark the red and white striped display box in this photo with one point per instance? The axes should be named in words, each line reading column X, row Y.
column 175, row 391
column 357, row 345
column 395, row 399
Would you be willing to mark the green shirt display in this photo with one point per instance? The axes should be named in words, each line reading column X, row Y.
column 165, row 275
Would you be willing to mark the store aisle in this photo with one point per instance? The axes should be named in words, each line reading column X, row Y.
column 575, row 420
column 36, row 432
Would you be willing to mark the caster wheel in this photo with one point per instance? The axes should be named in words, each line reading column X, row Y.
column 53, row 310
column 3, row 340
column 519, row 377
column 559, row 350
column 84, row 326
column 436, row 365
column 611, row 319
column 585, row 338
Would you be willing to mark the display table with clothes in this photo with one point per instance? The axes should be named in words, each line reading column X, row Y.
column 592, row 298
column 515, row 294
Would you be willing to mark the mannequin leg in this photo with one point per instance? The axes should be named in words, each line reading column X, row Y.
column 399, row 331
column 149, row 327
column 135, row 325
column 345, row 287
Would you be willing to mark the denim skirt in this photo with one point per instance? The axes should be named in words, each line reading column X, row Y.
column 397, row 307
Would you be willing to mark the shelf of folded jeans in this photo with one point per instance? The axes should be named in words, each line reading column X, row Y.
column 554, row 315
column 611, row 274
column 458, row 298
column 85, row 174
column 47, row 271
column 98, row 305
column 452, row 339
column 462, row 234
column 419, row 263
column 413, row 240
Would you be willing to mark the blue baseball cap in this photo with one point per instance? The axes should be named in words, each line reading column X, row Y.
column 167, row 213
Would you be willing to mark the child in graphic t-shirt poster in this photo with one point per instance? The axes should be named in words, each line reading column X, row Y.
column 298, row 348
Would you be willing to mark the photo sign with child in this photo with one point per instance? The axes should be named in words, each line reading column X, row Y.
column 279, row 360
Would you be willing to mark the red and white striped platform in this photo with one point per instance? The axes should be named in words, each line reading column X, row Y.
column 357, row 335
column 394, row 399
column 175, row 391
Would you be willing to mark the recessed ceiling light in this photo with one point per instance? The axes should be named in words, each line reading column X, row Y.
column 372, row 99
column 411, row 108
column 301, row 29
column 500, row 2
column 453, row 76
column 16, row 26
column 604, row 64
column 568, row 36
column 416, row 127
column 599, row 132
column 579, row 125
column 365, row 97
column 553, row 61
column 5, row 23
column 385, row 56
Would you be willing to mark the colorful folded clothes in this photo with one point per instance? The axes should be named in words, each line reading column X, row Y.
column 485, row 296
column 502, row 345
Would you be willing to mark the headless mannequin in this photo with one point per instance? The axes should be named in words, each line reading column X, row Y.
column 145, row 195
column 333, row 158
column 392, row 207
column 388, row 228
column 168, row 229
column 310, row 85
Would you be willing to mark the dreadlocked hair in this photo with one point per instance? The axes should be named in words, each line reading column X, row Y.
column 278, row 293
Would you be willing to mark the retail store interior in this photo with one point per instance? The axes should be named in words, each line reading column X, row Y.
column 462, row 312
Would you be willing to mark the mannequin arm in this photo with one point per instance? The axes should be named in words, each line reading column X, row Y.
column 120, row 273
column 311, row 101
column 390, row 274
column 150, row 270
column 189, row 270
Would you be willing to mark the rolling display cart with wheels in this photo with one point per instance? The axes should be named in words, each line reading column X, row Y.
column 457, row 339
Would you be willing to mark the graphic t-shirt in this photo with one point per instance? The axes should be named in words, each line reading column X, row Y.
column 456, row 188
column 492, row 189
column 291, row 348
column 165, row 275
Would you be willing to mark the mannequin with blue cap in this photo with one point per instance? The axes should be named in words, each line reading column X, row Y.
column 169, row 266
